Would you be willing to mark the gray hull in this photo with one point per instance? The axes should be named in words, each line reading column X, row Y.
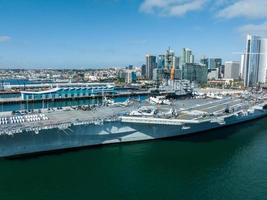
column 109, row 132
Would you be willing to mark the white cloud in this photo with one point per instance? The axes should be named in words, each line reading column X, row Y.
column 4, row 38
column 255, row 29
column 245, row 8
column 171, row 7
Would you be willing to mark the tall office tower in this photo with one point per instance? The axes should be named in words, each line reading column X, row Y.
column 161, row 61
column 221, row 71
column 168, row 65
column 187, row 56
column 176, row 73
column 255, row 64
column 143, row 71
column 150, row 65
column 232, row 70
column 204, row 61
column 242, row 65
column 215, row 63
column 176, row 62
column 169, row 58
column 191, row 59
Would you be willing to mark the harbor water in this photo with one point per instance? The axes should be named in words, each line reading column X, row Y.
column 228, row 163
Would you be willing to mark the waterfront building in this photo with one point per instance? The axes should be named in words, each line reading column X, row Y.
column 232, row 70
column 150, row 65
column 255, row 62
column 68, row 92
column 215, row 63
column 195, row 73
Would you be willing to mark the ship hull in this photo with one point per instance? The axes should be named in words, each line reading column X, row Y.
column 109, row 132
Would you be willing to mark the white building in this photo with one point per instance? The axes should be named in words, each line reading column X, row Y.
column 232, row 70
column 213, row 74
column 255, row 62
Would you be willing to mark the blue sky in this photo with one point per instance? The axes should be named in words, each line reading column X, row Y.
column 99, row 33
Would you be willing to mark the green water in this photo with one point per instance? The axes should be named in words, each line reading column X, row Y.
column 230, row 163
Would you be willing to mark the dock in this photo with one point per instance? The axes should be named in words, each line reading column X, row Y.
column 19, row 100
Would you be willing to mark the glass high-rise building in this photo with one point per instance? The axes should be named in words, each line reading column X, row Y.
column 161, row 61
column 143, row 71
column 169, row 59
column 176, row 62
column 195, row 73
column 255, row 61
column 204, row 61
column 150, row 65
column 187, row 56
column 215, row 63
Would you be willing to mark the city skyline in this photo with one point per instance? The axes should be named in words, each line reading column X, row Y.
column 94, row 33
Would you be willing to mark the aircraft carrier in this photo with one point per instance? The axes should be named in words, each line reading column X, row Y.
column 71, row 127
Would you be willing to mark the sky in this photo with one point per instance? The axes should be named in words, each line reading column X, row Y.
column 106, row 33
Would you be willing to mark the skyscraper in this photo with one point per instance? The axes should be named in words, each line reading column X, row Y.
column 143, row 71
column 232, row 70
column 161, row 61
column 169, row 59
column 204, row 61
column 242, row 63
column 176, row 62
column 187, row 56
column 215, row 63
column 150, row 65
column 255, row 62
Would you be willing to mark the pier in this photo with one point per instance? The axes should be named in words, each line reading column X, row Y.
column 19, row 100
